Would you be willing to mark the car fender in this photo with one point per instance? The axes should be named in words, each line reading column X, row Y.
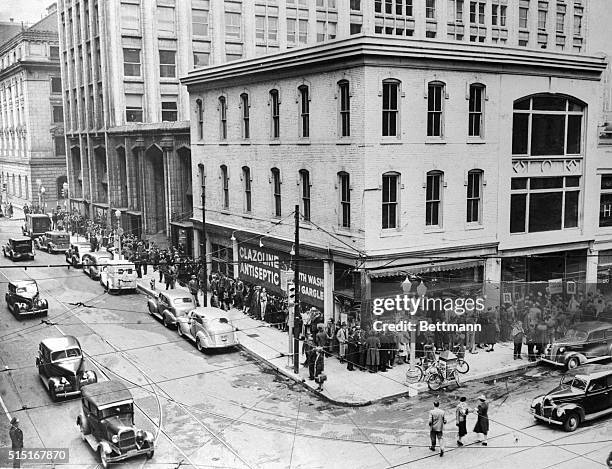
column 105, row 446
column 579, row 355
column 203, row 339
column 168, row 313
column 571, row 407
column 151, row 304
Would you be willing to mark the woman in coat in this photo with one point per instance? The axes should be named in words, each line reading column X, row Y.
column 482, row 424
column 372, row 352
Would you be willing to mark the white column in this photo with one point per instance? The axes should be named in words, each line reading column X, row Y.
column 328, row 290
column 235, row 257
column 492, row 282
column 592, row 262
column 208, row 255
column 196, row 244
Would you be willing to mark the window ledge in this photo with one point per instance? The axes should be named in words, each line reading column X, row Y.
column 275, row 142
column 172, row 80
column 474, row 226
column 343, row 232
column 223, row 143
column 435, row 141
column 305, row 225
column 390, row 233
column 247, row 216
column 475, row 141
column 225, row 211
column 303, row 141
column 344, row 141
column 133, row 79
column 433, row 229
column 390, row 141
column 245, row 142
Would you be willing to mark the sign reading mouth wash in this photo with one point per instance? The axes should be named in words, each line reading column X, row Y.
column 260, row 266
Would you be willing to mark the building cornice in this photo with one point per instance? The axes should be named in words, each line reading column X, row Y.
column 13, row 69
column 179, row 127
column 29, row 35
column 411, row 53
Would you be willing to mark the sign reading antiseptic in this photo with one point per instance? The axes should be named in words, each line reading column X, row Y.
column 260, row 266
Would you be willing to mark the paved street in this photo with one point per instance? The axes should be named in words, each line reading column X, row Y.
column 225, row 410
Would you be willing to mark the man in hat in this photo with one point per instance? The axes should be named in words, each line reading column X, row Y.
column 342, row 336
column 193, row 289
column 482, row 424
column 437, row 419
column 16, row 439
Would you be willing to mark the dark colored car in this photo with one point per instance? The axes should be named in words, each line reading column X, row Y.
column 585, row 342
column 36, row 224
column 53, row 242
column 106, row 422
column 170, row 305
column 61, row 367
column 74, row 254
column 23, row 299
column 582, row 395
column 18, row 248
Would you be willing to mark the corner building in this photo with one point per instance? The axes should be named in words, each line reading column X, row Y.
column 406, row 156
column 32, row 150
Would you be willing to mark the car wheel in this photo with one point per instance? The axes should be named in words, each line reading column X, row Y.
column 571, row 423
column 16, row 310
column 150, row 454
column 103, row 457
column 572, row 363
column 52, row 392
column 179, row 330
column 199, row 345
column 165, row 320
column 84, row 430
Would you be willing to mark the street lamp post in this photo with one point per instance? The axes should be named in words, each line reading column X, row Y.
column 118, row 232
column 42, row 197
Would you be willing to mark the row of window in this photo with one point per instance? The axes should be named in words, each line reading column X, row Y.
column 132, row 63
column 390, row 196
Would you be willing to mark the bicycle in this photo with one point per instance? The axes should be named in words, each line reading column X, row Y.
column 433, row 375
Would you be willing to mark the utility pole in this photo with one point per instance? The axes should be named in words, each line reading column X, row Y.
column 203, row 249
column 296, row 283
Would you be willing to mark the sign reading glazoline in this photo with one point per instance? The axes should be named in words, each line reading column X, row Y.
column 260, row 266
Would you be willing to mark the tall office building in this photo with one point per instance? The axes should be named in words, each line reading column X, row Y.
column 32, row 150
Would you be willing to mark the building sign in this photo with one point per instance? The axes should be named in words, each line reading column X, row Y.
column 259, row 266
column 555, row 286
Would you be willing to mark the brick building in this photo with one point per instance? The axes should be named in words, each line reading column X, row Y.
column 32, row 150
column 453, row 162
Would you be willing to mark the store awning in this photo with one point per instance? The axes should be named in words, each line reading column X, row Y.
column 133, row 212
column 425, row 268
column 182, row 224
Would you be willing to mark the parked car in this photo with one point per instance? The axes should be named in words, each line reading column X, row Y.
column 170, row 305
column 18, row 248
column 94, row 262
column 585, row 342
column 23, row 299
column 53, row 242
column 582, row 395
column 118, row 275
column 74, row 254
column 208, row 328
column 61, row 367
column 36, row 224
column 106, row 423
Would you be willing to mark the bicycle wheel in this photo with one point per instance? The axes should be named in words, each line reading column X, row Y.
column 462, row 366
column 457, row 380
column 434, row 382
column 414, row 374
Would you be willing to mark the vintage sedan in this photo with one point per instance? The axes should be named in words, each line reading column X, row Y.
column 169, row 305
column 94, row 262
column 585, row 342
column 106, row 423
column 18, row 248
column 208, row 328
column 23, row 299
column 61, row 367
column 582, row 395
column 53, row 242
column 74, row 254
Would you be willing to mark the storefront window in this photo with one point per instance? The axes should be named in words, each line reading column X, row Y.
column 222, row 260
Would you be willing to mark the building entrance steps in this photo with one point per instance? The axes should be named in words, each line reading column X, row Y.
column 343, row 387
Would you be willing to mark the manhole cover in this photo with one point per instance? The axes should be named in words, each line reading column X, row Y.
column 252, row 335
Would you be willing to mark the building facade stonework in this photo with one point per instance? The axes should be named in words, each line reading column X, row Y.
column 32, row 150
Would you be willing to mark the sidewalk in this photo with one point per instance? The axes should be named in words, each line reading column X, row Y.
column 350, row 388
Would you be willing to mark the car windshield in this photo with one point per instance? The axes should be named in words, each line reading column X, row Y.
column 183, row 300
column 65, row 354
column 575, row 382
column 575, row 334
column 117, row 410
column 29, row 288
column 60, row 237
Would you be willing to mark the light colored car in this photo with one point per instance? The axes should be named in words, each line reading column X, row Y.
column 74, row 255
column 117, row 275
column 170, row 305
column 208, row 328
column 93, row 262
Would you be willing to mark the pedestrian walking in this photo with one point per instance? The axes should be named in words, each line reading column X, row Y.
column 482, row 424
column 193, row 289
column 16, row 436
column 319, row 367
column 461, row 419
column 437, row 419
column 352, row 356
column 518, row 335
column 372, row 345
column 342, row 336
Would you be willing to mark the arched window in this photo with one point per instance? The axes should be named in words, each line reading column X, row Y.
column 200, row 117
column 276, row 191
column 244, row 104
column 304, row 130
column 222, row 118
column 433, row 198
column 274, row 114
column 390, row 200
column 390, row 108
column 476, row 110
column 547, row 125
column 246, row 178
column 305, row 185
column 474, row 196
column 435, row 109
column 344, row 108
column 224, row 187
column 344, row 187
